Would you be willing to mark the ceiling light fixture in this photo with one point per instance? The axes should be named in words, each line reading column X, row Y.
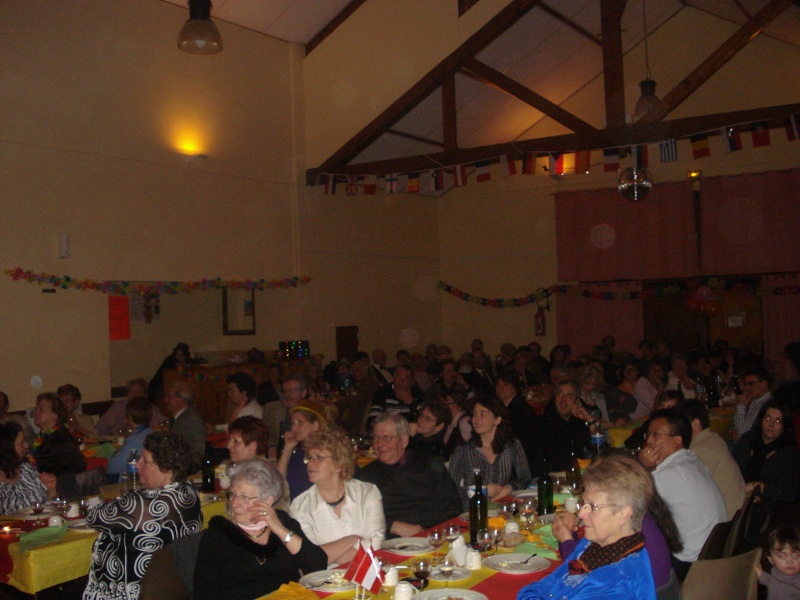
column 199, row 34
column 648, row 100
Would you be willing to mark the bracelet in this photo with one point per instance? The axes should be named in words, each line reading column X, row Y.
column 288, row 537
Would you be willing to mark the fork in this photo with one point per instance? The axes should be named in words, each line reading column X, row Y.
column 525, row 562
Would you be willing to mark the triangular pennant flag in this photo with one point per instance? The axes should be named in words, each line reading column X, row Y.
column 760, row 133
column 460, row 175
column 364, row 569
column 610, row 160
column 582, row 161
column 370, row 184
column 700, row 147
column 391, row 183
column 731, row 139
column 668, row 150
column 528, row 163
column 555, row 161
column 352, row 183
column 509, row 164
column 483, row 172
column 793, row 127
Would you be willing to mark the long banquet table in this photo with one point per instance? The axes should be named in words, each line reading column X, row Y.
column 491, row 583
column 61, row 561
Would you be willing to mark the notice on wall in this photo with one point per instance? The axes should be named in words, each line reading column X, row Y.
column 119, row 318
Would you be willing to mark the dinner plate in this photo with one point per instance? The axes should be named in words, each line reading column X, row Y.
column 331, row 580
column 407, row 546
column 450, row 594
column 465, row 516
column 512, row 563
column 27, row 514
column 458, row 574
column 525, row 494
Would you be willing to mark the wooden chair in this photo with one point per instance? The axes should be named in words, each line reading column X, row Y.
column 170, row 573
column 732, row 578
column 736, row 537
column 715, row 542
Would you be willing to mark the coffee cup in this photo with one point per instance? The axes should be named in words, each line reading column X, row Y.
column 404, row 590
column 74, row 511
column 571, row 504
column 392, row 577
column 473, row 559
column 55, row 521
column 224, row 482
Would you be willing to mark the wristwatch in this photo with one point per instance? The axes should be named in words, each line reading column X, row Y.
column 288, row 537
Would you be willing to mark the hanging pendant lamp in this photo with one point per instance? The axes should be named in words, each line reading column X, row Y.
column 648, row 100
column 199, row 34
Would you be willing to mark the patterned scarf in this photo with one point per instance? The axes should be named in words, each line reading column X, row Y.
column 597, row 556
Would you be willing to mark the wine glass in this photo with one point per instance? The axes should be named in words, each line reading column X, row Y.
column 61, row 505
column 422, row 570
column 452, row 533
column 83, row 505
column 504, row 510
column 37, row 508
column 484, row 540
column 527, row 509
column 499, row 534
column 436, row 539
column 446, row 568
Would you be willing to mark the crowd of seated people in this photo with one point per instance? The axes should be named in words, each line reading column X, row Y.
column 432, row 420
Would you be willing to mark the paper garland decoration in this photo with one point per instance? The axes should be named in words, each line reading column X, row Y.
column 127, row 288
column 593, row 293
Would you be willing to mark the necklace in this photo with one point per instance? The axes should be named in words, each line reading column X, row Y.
column 256, row 535
column 338, row 502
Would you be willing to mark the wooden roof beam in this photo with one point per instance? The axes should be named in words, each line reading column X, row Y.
column 638, row 133
column 340, row 18
column 490, row 76
column 449, row 113
column 569, row 23
column 613, row 71
column 479, row 40
column 717, row 60
column 416, row 138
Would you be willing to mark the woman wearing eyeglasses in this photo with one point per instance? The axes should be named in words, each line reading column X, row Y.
column 337, row 511
column 307, row 417
column 258, row 548
column 611, row 560
column 769, row 460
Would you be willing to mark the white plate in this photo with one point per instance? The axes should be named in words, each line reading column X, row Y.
column 458, row 574
column 76, row 523
column 27, row 514
column 465, row 516
column 317, row 581
column 512, row 563
column 453, row 593
column 407, row 546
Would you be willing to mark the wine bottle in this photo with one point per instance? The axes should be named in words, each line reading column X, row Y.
column 208, row 471
column 573, row 469
column 478, row 509
column 545, row 491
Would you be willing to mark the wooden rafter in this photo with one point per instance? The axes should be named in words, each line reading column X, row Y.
column 613, row 72
column 449, row 117
column 569, row 23
column 717, row 59
column 490, row 76
column 416, row 138
column 340, row 18
column 638, row 133
column 509, row 15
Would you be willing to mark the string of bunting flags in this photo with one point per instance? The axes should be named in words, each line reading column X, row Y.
column 443, row 178
column 128, row 288
column 748, row 286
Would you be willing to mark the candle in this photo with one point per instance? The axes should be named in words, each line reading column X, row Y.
column 6, row 529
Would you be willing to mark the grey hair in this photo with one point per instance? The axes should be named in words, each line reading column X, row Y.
column 263, row 475
column 400, row 423
column 184, row 391
column 300, row 379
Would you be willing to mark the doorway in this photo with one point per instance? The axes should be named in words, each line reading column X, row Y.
column 346, row 342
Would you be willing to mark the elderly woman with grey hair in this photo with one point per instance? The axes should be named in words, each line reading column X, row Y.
column 610, row 561
column 258, row 548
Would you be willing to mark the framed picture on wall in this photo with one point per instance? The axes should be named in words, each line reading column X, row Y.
column 238, row 312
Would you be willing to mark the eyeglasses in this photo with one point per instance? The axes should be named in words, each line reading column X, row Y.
column 314, row 459
column 426, row 418
column 384, row 439
column 776, row 420
column 246, row 499
column 591, row 506
column 651, row 434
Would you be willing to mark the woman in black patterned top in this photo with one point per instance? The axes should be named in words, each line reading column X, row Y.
column 494, row 450
column 140, row 522
column 20, row 486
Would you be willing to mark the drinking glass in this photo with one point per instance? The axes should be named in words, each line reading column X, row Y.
column 504, row 510
column 485, row 540
column 37, row 507
column 436, row 539
column 447, row 566
column 499, row 534
column 61, row 505
column 527, row 509
column 83, row 505
column 422, row 569
column 452, row 533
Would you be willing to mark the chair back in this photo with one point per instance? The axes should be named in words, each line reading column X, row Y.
column 740, row 521
column 162, row 580
column 670, row 590
column 732, row 578
column 715, row 542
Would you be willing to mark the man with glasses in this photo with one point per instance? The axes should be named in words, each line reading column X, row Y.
column 295, row 389
column 684, row 483
column 417, row 489
column 756, row 392
column 565, row 428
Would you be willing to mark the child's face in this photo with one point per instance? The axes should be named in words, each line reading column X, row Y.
column 786, row 560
